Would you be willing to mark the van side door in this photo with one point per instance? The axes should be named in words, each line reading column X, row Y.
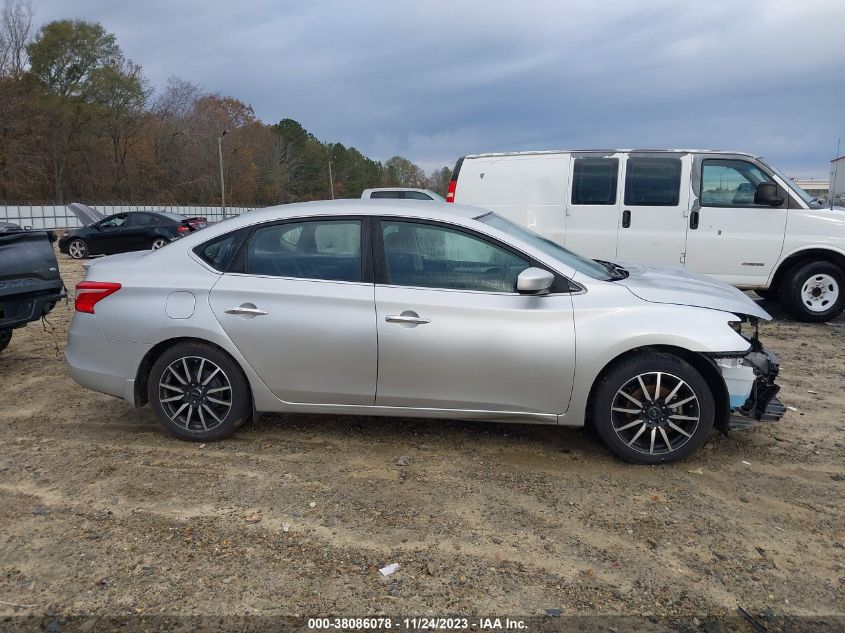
column 729, row 236
column 592, row 205
column 653, row 226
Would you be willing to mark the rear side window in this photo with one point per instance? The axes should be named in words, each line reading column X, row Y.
column 594, row 180
column 652, row 182
column 219, row 252
column 322, row 249
column 386, row 194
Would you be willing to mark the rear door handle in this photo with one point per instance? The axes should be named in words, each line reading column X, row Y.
column 693, row 220
column 247, row 310
column 407, row 318
column 626, row 219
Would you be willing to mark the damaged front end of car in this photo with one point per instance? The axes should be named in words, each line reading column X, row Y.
column 750, row 382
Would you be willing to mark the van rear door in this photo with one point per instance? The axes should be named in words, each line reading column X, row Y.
column 655, row 201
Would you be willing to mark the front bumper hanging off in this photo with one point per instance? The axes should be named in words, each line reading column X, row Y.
column 750, row 381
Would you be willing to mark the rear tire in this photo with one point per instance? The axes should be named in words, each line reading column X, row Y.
column 5, row 337
column 813, row 292
column 653, row 408
column 158, row 242
column 199, row 393
column 77, row 248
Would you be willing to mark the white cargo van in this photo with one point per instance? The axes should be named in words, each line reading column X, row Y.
column 725, row 214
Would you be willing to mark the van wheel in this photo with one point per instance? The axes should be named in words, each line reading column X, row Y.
column 814, row 292
column 5, row 338
column 653, row 408
column 199, row 392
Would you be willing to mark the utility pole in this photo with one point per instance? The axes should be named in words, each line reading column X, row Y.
column 222, row 182
column 331, row 182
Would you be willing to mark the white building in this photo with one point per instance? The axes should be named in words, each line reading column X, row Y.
column 837, row 180
column 816, row 188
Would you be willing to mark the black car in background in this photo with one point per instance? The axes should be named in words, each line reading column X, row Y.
column 131, row 231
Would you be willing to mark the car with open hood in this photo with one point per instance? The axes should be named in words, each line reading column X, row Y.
column 372, row 307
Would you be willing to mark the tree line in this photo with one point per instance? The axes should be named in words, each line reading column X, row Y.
column 79, row 121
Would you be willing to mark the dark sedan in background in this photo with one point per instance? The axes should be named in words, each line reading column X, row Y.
column 131, row 231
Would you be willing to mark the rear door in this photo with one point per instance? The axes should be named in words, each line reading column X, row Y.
column 299, row 305
column 653, row 226
column 110, row 235
column 138, row 231
column 592, row 207
column 729, row 236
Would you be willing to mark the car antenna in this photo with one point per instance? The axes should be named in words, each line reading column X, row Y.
column 832, row 194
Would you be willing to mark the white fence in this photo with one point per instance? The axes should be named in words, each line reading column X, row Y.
column 60, row 217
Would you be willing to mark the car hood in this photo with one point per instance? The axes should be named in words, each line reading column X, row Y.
column 673, row 285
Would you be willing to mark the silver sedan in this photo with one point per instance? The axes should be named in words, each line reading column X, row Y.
column 418, row 309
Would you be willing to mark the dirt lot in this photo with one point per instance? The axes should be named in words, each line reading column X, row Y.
column 103, row 512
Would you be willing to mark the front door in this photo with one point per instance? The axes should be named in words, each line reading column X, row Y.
column 300, row 310
column 454, row 333
column 111, row 235
column 592, row 206
column 729, row 236
column 653, row 226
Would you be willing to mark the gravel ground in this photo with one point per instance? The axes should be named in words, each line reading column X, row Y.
column 102, row 512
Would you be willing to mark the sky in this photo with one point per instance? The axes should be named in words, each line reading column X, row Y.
column 435, row 80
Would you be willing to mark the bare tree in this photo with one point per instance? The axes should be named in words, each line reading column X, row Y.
column 15, row 33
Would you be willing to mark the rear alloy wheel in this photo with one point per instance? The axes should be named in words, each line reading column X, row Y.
column 814, row 292
column 199, row 392
column 158, row 243
column 653, row 408
column 77, row 249
column 5, row 338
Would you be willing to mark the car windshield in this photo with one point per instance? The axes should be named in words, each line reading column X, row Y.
column 581, row 264
column 813, row 203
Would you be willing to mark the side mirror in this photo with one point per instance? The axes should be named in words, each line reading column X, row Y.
column 534, row 281
column 767, row 194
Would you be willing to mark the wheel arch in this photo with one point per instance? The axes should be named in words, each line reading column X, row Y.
column 704, row 365
column 142, row 375
column 805, row 256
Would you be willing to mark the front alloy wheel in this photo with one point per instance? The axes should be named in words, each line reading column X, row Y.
column 77, row 249
column 199, row 392
column 653, row 407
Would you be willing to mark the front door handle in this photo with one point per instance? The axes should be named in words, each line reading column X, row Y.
column 626, row 219
column 247, row 309
column 407, row 318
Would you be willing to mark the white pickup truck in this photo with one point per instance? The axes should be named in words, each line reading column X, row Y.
column 729, row 215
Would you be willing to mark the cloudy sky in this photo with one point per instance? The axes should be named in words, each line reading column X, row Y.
column 435, row 80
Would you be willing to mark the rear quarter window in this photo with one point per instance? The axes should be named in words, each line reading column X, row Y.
column 220, row 251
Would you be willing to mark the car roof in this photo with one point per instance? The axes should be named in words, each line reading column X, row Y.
column 359, row 206
column 399, row 189
column 610, row 151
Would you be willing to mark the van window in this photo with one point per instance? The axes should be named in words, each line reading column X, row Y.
column 386, row 194
column 730, row 183
column 594, row 180
column 652, row 182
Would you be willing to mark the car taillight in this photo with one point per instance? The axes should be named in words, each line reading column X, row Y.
column 183, row 229
column 89, row 293
column 450, row 194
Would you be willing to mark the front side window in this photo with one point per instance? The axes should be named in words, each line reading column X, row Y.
column 432, row 256
column 652, row 182
column 317, row 249
column 730, row 183
column 114, row 221
column 594, row 180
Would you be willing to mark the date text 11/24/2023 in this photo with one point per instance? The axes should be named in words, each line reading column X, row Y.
column 417, row 623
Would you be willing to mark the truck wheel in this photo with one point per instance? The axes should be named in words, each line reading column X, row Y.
column 653, row 408
column 77, row 249
column 5, row 337
column 814, row 292
column 199, row 392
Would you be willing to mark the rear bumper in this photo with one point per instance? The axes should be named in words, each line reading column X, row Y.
column 18, row 310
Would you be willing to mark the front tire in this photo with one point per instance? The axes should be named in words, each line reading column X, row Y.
column 653, row 408
column 77, row 248
column 5, row 338
column 814, row 292
column 199, row 393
